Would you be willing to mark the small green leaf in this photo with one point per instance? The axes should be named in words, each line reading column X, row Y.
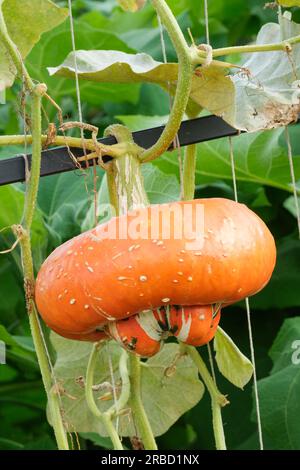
column 26, row 21
column 231, row 361
column 131, row 5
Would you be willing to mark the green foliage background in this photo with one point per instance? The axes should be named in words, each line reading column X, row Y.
column 64, row 211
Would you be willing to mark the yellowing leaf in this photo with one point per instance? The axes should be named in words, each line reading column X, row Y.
column 289, row 3
column 211, row 88
column 131, row 5
column 231, row 361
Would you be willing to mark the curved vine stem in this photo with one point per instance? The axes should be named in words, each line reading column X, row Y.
column 125, row 391
column 217, row 399
column 137, row 406
column 106, row 417
column 22, row 232
column 184, row 82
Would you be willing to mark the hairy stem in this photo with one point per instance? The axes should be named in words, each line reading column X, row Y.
column 125, row 391
column 75, row 142
column 23, row 233
column 139, row 414
column 184, row 82
column 105, row 417
column 217, row 399
column 279, row 46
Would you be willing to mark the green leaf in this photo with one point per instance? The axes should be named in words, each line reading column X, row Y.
column 8, row 444
column 13, row 199
column 283, row 288
column 160, row 189
column 268, row 96
column 64, row 200
column 138, row 122
column 26, row 21
column 177, row 393
column 285, row 345
column 131, row 5
column 231, row 361
column 259, row 158
column 279, row 393
column 116, row 67
column 211, row 88
column 98, row 440
column 18, row 348
column 290, row 205
column 56, row 45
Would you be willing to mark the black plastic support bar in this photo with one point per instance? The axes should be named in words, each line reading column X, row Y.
column 58, row 160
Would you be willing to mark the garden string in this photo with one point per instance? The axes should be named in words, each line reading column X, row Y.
column 78, row 95
column 290, row 157
column 210, row 355
column 251, row 342
column 287, row 135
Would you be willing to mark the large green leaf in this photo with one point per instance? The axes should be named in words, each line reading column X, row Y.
column 64, row 199
column 56, row 45
column 211, row 88
column 279, row 393
column 177, row 393
column 232, row 363
column 26, row 20
column 259, row 158
column 283, row 289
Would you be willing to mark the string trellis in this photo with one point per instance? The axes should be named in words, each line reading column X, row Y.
column 80, row 116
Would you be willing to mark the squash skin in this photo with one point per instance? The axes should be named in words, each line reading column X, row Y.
column 145, row 332
column 92, row 279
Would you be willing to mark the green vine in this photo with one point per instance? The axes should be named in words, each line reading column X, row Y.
column 217, row 399
column 106, row 417
column 184, row 82
column 22, row 233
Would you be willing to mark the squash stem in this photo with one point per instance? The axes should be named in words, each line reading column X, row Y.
column 217, row 399
column 184, row 82
column 139, row 414
column 105, row 417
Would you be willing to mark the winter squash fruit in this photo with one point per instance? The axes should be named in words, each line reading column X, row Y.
column 145, row 332
column 193, row 253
